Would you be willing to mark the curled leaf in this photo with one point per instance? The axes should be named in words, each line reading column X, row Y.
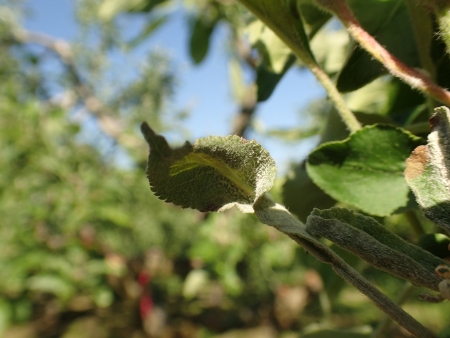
column 212, row 175
column 427, row 170
column 366, row 238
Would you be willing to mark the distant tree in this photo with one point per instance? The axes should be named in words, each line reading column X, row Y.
column 87, row 250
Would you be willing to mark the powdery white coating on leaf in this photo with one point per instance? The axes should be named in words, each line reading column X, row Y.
column 213, row 174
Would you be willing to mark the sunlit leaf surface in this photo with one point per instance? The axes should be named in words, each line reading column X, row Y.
column 213, row 174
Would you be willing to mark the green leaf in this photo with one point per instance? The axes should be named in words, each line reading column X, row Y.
column 372, row 98
column 114, row 215
column 334, row 128
column 427, row 170
column 284, row 19
column 271, row 48
column 103, row 296
column 147, row 6
column 379, row 232
column 442, row 13
column 313, row 17
column 366, row 169
column 286, row 35
column 276, row 57
column 441, row 60
column 405, row 104
column 213, row 174
column 150, row 27
column 52, row 284
column 301, row 195
column 200, row 36
column 368, row 239
column 379, row 19
column 195, row 282
column 267, row 80
column 108, row 9
column 330, row 48
column 319, row 332
column 5, row 316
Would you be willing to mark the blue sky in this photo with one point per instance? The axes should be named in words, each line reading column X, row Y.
column 205, row 88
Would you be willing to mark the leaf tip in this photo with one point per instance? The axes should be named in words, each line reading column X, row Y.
column 147, row 132
column 157, row 143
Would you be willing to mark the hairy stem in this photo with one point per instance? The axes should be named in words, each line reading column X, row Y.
column 346, row 115
column 415, row 78
column 385, row 323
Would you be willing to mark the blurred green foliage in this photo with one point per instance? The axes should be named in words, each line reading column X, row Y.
column 87, row 250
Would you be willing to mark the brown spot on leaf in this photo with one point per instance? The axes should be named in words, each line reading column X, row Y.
column 415, row 164
column 435, row 120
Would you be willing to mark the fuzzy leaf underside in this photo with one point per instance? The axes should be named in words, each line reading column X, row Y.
column 213, row 174
column 366, row 169
column 368, row 239
column 427, row 170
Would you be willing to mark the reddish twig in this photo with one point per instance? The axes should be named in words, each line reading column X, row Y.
column 414, row 77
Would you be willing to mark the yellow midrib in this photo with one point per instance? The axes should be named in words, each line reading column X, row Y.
column 194, row 160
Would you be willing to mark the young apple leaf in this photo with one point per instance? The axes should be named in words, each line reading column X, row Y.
column 368, row 239
column 213, row 174
column 379, row 232
column 366, row 169
column 428, row 170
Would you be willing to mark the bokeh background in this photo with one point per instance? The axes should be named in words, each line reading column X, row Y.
column 86, row 250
